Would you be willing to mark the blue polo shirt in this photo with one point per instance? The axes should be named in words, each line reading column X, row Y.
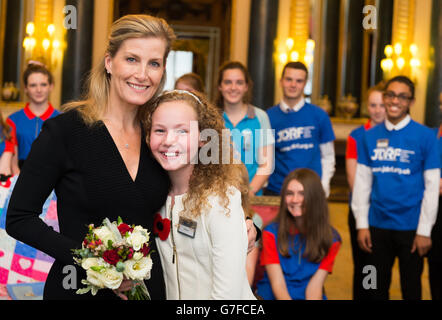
column 398, row 159
column 296, row 268
column 246, row 138
column 297, row 139
column 26, row 126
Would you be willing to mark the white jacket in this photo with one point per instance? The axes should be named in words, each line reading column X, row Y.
column 213, row 264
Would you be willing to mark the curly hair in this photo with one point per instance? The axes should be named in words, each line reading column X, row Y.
column 207, row 179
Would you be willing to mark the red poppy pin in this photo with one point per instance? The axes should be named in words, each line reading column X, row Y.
column 161, row 227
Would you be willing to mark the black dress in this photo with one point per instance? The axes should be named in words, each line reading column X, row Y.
column 84, row 167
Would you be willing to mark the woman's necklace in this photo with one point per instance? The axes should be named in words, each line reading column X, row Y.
column 119, row 137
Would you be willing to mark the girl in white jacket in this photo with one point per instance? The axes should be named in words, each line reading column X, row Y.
column 201, row 231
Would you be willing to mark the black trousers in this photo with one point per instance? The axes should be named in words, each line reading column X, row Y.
column 359, row 260
column 386, row 246
column 435, row 257
column 267, row 192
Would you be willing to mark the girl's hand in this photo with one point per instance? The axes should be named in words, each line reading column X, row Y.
column 251, row 235
column 126, row 285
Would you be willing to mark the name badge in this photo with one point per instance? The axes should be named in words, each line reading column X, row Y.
column 187, row 227
column 382, row 143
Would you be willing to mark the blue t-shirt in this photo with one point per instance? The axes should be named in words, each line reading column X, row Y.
column 297, row 139
column 27, row 126
column 398, row 159
column 247, row 139
column 297, row 269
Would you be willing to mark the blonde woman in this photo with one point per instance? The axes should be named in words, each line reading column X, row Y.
column 99, row 164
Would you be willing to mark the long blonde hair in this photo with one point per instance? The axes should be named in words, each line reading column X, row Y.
column 210, row 179
column 94, row 102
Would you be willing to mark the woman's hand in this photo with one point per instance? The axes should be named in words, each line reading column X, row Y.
column 5, row 164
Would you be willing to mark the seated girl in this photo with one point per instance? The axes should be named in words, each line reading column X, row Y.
column 300, row 246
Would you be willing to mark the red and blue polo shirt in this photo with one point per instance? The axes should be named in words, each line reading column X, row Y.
column 26, row 126
column 6, row 145
column 297, row 269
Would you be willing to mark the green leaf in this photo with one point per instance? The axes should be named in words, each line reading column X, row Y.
column 83, row 290
column 94, row 290
column 119, row 220
column 109, row 244
column 98, row 268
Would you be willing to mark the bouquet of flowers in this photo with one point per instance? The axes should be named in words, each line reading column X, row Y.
column 112, row 252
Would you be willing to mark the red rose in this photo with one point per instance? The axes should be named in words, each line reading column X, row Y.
column 123, row 228
column 111, row 256
column 145, row 250
column 161, row 227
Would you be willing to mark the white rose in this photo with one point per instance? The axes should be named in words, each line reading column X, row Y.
column 143, row 231
column 137, row 238
column 107, row 278
column 104, row 234
column 94, row 277
column 138, row 270
column 90, row 262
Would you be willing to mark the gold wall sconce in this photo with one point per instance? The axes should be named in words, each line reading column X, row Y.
column 41, row 45
column 400, row 60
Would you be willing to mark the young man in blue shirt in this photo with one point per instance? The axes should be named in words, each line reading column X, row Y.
column 304, row 136
column 396, row 190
